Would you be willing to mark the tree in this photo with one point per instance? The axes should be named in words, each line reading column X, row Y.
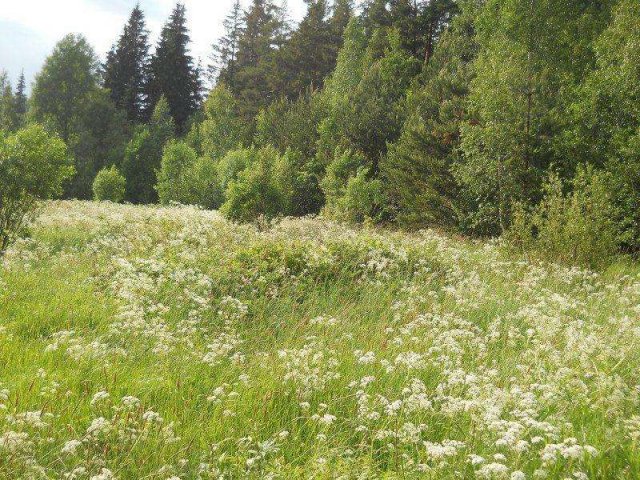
column 9, row 118
column 143, row 155
column 67, row 99
column 177, row 159
column 604, row 126
column 309, row 55
column 173, row 73
column 223, row 128
column 33, row 165
column 109, row 185
column 366, row 95
column 21, row 99
column 375, row 15
column 100, row 135
column 525, row 72
column 68, row 75
column 225, row 55
column 417, row 171
column 255, row 190
column 263, row 35
column 126, row 68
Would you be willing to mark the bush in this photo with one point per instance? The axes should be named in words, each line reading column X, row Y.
column 109, row 185
column 255, row 193
column 578, row 228
column 33, row 166
column 297, row 178
column 177, row 159
column 351, row 195
column 203, row 185
column 232, row 164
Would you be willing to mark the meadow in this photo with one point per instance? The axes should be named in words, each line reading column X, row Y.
column 169, row 343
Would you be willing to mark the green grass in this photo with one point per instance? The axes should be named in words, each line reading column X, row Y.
column 214, row 327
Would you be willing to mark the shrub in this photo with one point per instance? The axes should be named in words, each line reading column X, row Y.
column 33, row 167
column 203, row 185
column 255, row 193
column 576, row 228
column 109, row 185
column 297, row 177
column 177, row 159
column 351, row 195
column 232, row 164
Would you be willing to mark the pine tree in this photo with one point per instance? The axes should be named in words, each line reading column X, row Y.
column 125, row 71
column 21, row 97
column 417, row 171
column 342, row 11
column 225, row 54
column 173, row 73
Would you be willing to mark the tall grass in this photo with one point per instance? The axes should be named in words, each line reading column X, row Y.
column 157, row 343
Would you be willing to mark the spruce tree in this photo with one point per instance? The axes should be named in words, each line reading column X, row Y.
column 262, row 36
column 173, row 73
column 125, row 71
column 225, row 54
column 21, row 97
column 309, row 56
column 376, row 15
column 342, row 11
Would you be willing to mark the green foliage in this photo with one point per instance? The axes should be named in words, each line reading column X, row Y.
column 577, row 228
column 173, row 74
column 173, row 185
column 67, row 99
column 309, row 55
column 143, row 155
column 417, row 171
column 109, row 185
column 233, row 163
column 125, row 71
column 203, row 185
column 292, row 125
column 69, row 74
column 100, row 135
column 10, row 117
column 351, row 195
column 366, row 95
column 33, row 165
column 263, row 34
column 297, row 178
column 223, row 128
column 605, row 117
column 525, row 72
column 255, row 191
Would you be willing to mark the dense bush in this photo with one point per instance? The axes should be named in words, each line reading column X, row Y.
column 109, row 185
column 33, row 166
column 255, row 191
column 298, row 179
column 232, row 164
column 579, row 227
column 351, row 194
column 173, row 185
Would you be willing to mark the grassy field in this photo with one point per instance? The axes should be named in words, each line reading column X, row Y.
column 167, row 343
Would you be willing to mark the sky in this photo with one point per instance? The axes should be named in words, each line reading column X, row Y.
column 29, row 29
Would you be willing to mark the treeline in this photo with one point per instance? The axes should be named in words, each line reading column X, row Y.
column 480, row 116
